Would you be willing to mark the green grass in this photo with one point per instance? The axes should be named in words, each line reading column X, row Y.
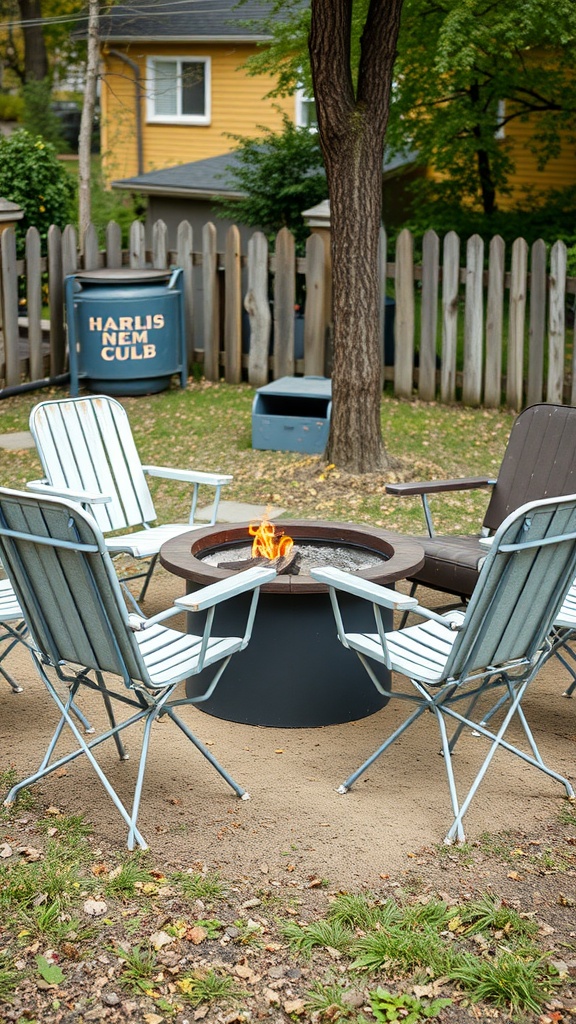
column 208, row 427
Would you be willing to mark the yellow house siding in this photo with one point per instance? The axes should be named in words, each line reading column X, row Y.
column 558, row 173
column 238, row 106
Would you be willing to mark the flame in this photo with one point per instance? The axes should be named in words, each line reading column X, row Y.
column 269, row 540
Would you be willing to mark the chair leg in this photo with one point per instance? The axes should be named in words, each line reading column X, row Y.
column 148, row 577
column 10, row 680
column 168, row 710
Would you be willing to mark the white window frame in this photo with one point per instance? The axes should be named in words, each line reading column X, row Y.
column 302, row 98
column 179, row 118
column 500, row 132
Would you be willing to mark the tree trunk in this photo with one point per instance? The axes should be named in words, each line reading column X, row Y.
column 487, row 188
column 87, row 122
column 352, row 125
column 35, row 58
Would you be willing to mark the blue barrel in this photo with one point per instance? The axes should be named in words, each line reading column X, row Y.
column 126, row 331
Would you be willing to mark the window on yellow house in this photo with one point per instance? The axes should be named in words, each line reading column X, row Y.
column 178, row 90
column 306, row 111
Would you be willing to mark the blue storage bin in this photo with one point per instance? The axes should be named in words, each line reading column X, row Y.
column 126, row 332
column 292, row 414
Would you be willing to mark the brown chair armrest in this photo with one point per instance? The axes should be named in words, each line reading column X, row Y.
column 438, row 486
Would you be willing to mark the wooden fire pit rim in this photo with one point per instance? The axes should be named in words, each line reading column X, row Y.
column 406, row 556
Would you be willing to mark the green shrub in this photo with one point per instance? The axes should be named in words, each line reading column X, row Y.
column 550, row 217
column 32, row 176
column 11, row 107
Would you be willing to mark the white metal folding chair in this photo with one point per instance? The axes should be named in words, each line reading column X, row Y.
column 88, row 454
column 63, row 577
column 12, row 629
column 458, row 662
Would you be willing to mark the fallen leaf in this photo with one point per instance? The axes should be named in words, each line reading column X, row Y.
column 514, row 876
column 95, row 908
column 296, row 1006
column 6, row 851
column 160, row 939
column 152, row 1018
column 196, row 934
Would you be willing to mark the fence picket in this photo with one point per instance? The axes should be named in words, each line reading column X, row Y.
column 56, row 302
column 429, row 316
column 494, row 318
column 537, row 331
column 211, row 303
column 555, row 385
column 159, row 245
column 91, row 249
column 404, row 355
column 450, row 290
column 515, row 361
column 113, row 245
column 258, row 308
column 284, row 301
column 9, row 301
column 530, row 344
column 314, row 320
column 232, row 308
column 137, row 246
column 34, row 303
column 185, row 259
column 473, row 322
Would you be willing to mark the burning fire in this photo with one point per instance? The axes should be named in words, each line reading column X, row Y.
column 269, row 541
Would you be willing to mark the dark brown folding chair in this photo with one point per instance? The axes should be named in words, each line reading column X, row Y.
column 539, row 462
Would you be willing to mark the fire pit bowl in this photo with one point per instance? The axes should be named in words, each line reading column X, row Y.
column 294, row 673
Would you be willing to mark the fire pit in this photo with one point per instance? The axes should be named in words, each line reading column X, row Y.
column 294, row 673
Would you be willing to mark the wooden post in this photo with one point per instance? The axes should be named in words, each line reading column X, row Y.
column 211, row 303
column 404, row 355
column 56, row 302
column 185, row 259
column 555, row 386
column 233, row 308
column 314, row 322
column 538, row 289
column 450, row 289
column 515, row 360
column 494, row 318
column 473, row 322
column 284, row 300
column 429, row 317
column 257, row 306
column 34, row 303
column 9, row 299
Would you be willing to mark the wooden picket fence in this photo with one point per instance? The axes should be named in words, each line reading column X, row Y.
column 488, row 334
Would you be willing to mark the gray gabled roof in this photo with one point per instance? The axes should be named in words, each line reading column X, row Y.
column 201, row 178
column 179, row 20
column 207, row 178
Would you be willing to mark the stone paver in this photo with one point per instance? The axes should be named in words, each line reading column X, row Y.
column 16, row 440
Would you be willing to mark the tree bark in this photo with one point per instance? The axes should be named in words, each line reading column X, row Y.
column 86, row 123
column 352, row 119
column 35, row 57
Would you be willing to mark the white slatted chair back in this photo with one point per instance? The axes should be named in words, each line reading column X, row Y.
column 68, row 589
column 528, row 570
column 86, row 444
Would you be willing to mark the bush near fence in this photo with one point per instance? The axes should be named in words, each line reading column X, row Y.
column 471, row 324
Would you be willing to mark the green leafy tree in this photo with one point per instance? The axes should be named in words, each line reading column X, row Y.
column 280, row 175
column 32, row 176
column 466, row 69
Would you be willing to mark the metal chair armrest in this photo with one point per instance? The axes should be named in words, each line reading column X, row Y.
column 213, row 594
column 191, row 476
column 358, row 587
column 426, row 487
column 80, row 497
column 439, row 486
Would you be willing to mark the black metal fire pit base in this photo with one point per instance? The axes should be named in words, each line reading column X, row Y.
column 294, row 674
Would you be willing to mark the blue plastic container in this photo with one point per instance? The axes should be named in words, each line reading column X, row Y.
column 126, row 332
column 292, row 414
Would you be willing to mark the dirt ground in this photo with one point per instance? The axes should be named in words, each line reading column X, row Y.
column 295, row 818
